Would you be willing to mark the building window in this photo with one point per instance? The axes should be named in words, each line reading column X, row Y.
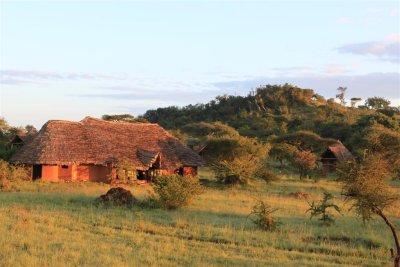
column 64, row 166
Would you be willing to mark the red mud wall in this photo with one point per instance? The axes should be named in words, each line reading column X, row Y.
column 65, row 174
column 50, row 173
column 93, row 173
column 99, row 173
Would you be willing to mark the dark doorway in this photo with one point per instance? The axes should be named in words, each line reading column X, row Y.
column 36, row 172
column 141, row 175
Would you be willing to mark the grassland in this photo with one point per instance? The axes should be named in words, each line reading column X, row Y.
column 60, row 225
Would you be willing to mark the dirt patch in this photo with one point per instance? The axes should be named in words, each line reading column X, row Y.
column 301, row 195
column 118, row 196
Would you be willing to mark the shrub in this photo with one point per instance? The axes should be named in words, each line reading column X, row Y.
column 175, row 191
column 4, row 175
column 321, row 209
column 263, row 172
column 19, row 174
column 242, row 169
column 261, row 215
column 237, row 171
column 10, row 174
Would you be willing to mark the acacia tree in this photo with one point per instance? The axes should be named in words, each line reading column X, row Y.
column 341, row 95
column 354, row 101
column 377, row 102
column 123, row 118
column 282, row 152
column 304, row 161
column 365, row 185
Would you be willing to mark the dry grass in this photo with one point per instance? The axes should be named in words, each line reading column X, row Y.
column 59, row 225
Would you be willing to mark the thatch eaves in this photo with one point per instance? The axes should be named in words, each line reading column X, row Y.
column 340, row 152
column 95, row 141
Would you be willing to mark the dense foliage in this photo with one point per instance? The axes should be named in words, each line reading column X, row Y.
column 175, row 191
column 11, row 176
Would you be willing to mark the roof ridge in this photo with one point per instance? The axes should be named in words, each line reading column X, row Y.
column 114, row 122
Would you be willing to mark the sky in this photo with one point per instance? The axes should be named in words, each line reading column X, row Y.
column 67, row 60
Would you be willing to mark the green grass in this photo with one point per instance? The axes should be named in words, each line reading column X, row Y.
column 60, row 225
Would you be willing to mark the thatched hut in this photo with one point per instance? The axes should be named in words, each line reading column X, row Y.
column 333, row 154
column 92, row 149
column 21, row 139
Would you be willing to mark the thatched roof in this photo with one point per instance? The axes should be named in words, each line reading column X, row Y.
column 95, row 141
column 23, row 137
column 340, row 152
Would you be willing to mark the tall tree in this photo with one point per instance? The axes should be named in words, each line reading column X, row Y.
column 282, row 152
column 354, row 101
column 304, row 161
column 366, row 185
column 377, row 102
column 341, row 95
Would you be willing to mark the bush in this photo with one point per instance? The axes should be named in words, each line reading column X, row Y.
column 4, row 175
column 262, row 214
column 237, row 171
column 175, row 191
column 321, row 209
column 263, row 172
column 10, row 175
column 242, row 170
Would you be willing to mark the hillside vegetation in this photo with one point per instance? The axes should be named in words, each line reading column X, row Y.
column 278, row 110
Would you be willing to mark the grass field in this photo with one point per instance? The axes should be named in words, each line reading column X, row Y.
column 60, row 225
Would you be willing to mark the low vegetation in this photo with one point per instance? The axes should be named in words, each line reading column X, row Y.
column 11, row 176
column 175, row 191
column 60, row 224
column 323, row 209
column 261, row 215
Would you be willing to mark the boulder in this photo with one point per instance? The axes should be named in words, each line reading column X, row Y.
column 118, row 196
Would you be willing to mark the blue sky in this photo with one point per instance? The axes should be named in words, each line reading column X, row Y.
column 66, row 60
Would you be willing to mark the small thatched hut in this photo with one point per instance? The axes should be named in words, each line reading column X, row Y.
column 91, row 150
column 335, row 153
column 21, row 139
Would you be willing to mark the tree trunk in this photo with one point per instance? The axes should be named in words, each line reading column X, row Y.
column 396, row 257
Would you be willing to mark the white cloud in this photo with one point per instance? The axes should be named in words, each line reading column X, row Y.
column 387, row 49
column 34, row 76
